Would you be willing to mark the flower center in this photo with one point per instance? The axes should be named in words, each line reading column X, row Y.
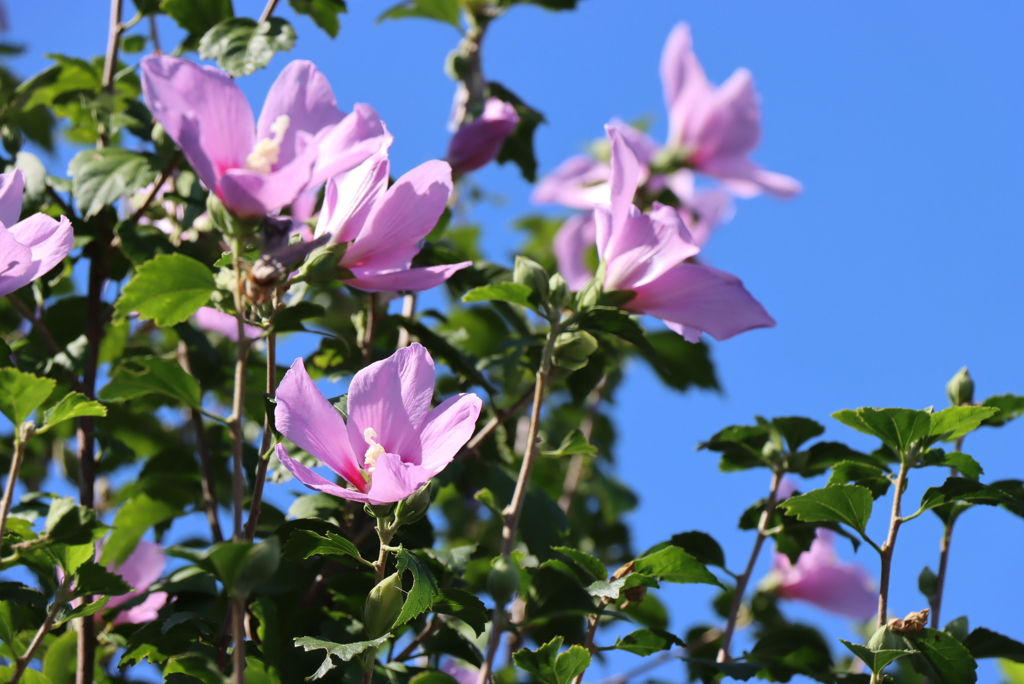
column 373, row 452
column 264, row 155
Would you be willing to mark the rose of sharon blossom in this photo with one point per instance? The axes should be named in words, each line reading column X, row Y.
column 140, row 570
column 478, row 142
column 29, row 248
column 717, row 128
column 819, row 577
column 646, row 254
column 211, row 320
column 393, row 441
column 386, row 226
column 257, row 167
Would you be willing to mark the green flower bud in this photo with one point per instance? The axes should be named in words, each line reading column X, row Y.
column 572, row 349
column 528, row 272
column 589, row 295
column 219, row 215
column 414, row 506
column 379, row 511
column 961, row 388
column 885, row 640
column 383, row 606
column 322, row 265
column 559, row 291
column 503, row 580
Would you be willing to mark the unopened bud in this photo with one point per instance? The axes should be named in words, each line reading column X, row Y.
column 383, row 606
column 573, row 349
column 322, row 265
column 414, row 506
column 528, row 272
column 479, row 141
column 221, row 218
column 558, row 291
column 503, row 580
column 379, row 511
column 961, row 388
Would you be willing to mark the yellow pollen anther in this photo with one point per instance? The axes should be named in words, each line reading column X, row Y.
column 374, row 452
column 264, row 155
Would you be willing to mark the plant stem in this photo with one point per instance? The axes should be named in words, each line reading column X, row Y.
column 371, row 324
column 238, row 399
column 21, row 663
column 408, row 311
column 890, row 542
column 268, row 437
column 514, row 510
column 594, row 619
column 12, row 479
column 575, row 469
column 268, row 10
column 238, row 631
column 499, row 418
column 947, row 537
column 744, row 579
column 205, row 464
column 408, row 651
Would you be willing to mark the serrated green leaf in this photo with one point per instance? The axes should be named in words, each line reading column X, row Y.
column 898, row 428
column 957, row 421
column 550, row 667
column 951, row 661
column 22, row 393
column 464, row 606
column 644, row 642
column 672, row 564
column 68, row 523
column 72, row 405
column 101, row 177
column 424, row 592
column 241, row 46
column 1010, row 408
column 69, row 612
column 514, row 293
column 305, row 543
column 197, row 16
column 141, row 375
column 961, row 489
column 848, row 504
column 876, row 660
column 92, row 578
column 168, row 289
column 594, row 567
column 132, row 521
column 344, row 652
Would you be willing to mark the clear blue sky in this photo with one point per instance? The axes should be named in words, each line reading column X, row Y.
column 897, row 266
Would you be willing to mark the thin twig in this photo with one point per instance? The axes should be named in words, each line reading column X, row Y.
column 268, row 10
column 575, row 469
column 238, row 630
column 947, row 537
column 21, row 663
column 744, row 579
column 499, row 418
column 371, row 324
column 424, row 634
column 890, row 543
column 209, row 484
column 12, row 478
column 594, row 619
column 161, row 179
column 154, row 36
column 268, row 434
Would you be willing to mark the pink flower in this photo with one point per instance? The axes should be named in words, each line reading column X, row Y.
column 393, row 442
column 141, row 569
column 478, row 142
column 300, row 140
column 29, row 248
column 211, row 320
column 386, row 226
column 646, row 253
column 462, row 675
column 820, row 578
column 716, row 127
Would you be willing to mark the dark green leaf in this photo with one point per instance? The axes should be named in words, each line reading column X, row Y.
column 550, row 667
column 141, row 375
column 464, row 606
column 323, row 12
column 72, row 405
column 424, row 592
column 156, row 645
column 514, row 293
column 168, row 289
column 849, row 504
column 68, row 523
column 680, row 364
column 984, row 643
column 132, row 521
column 259, row 565
column 22, row 393
column 344, row 652
column 92, row 578
column 593, row 567
column 898, row 428
column 876, row 660
column 305, row 543
column 518, row 147
column 964, row 463
column 644, row 642
column 573, row 443
column 101, row 177
column 69, row 612
column 701, row 546
column 796, row 430
column 446, row 11
column 960, row 489
column 1010, row 408
column 197, row 16
column 241, row 46
column 672, row 564
column 862, row 474
column 951, row 661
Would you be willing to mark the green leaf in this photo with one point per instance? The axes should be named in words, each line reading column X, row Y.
column 61, row 658
column 960, row 489
column 876, row 660
column 141, row 375
column 951, row 661
column 92, row 578
column 644, row 642
column 68, row 523
column 101, row 177
column 323, row 12
column 514, row 293
column 464, row 606
column 258, row 565
column 424, row 592
column 168, row 289
column 984, row 643
column 701, row 546
column 966, row 464
column 573, row 443
column 305, row 543
column 550, row 667
column 594, row 567
column 69, row 612
column 27, row 677
column 849, row 504
column 898, row 428
column 22, row 393
column 8, row 631
column 1013, row 672
column 241, row 46
column 72, row 405
column 957, row 421
column 197, row 16
column 132, row 521
column 1010, row 408
column 518, row 147
column 156, row 642
column 344, row 652
column 680, row 364
column 672, row 564
column 446, row 11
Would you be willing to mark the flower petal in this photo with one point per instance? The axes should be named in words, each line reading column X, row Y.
column 447, row 429
column 702, row 298
column 314, row 481
column 406, row 213
column 729, row 122
column 579, row 182
column 571, row 244
column 820, row 578
column 143, row 566
column 203, row 111
column 745, row 179
column 15, row 263
column 348, row 143
column 645, row 247
column 12, row 191
column 304, row 416
column 622, row 181
column 394, row 479
column 392, row 397
column 211, row 320
column 683, row 81
column 48, row 241
column 251, row 194
column 147, row 611
column 304, row 95
column 404, row 279
column 351, row 195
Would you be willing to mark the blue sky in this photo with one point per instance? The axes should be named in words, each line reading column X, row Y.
column 898, row 265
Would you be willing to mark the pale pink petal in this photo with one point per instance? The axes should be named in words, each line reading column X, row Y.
column 729, row 123
column 571, row 244
column 479, row 141
column 142, row 567
column 642, row 144
column 304, row 207
column 203, row 111
column 579, row 182
column 745, row 179
column 16, row 266
column 304, row 95
column 391, row 397
column 683, row 81
column 707, row 210
column 314, row 481
column 147, row 611
column 447, row 429
column 622, row 182
column 350, row 196
column 787, row 488
column 348, row 143
column 462, row 675
column 251, row 194
column 12, row 190
column 394, row 479
column 644, row 247
column 408, row 211
column 404, row 279
column 48, row 241
column 702, row 298
column 211, row 320
column 304, row 416
column 821, row 579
